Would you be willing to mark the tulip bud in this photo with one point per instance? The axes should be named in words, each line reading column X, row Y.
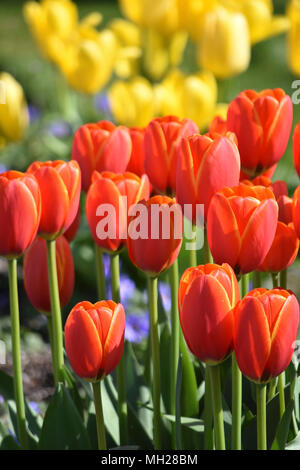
column 207, row 297
column 14, row 117
column 262, row 124
column 162, row 138
column 102, row 147
column 241, row 225
column 94, row 338
column 224, row 47
column 265, row 332
column 20, row 212
column 155, row 246
column 108, row 200
column 60, row 185
column 35, row 269
column 204, row 166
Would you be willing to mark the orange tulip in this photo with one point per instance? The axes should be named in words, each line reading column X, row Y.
column 205, row 164
column 265, row 332
column 20, row 211
column 116, row 193
column 296, row 148
column 101, row 146
column 60, row 185
column 296, row 210
column 262, row 123
column 162, row 138
column 241, row 225
column 285, row 206
column 36, row 273
column 136, row 162
column 94, row 338
column 207, row 297
column 157, row 243
column 283, row 251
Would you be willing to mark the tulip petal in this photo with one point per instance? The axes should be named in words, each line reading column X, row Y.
column 113, row 347
column 252, row 340
column 82, row 344
column 116, row 151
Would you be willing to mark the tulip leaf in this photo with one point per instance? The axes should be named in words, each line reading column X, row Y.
column 9, row 443
column 283, row 428
column 189, row 388
column 178, row 404
column 294, row 444
column 63, row 428
column 194, row 424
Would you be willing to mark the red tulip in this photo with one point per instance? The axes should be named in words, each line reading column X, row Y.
column 204, row 166
column 241, row 226
column 115, row 193
column 283, row 251
column 207, row 297
column 60, row 184
column 36, row 273
column 296, row 210
column 265, row 332
column 137, row 157
column 161, row 141
column 218, row 125
column 20, row 211
column 262, row 123
column 285, row 206
column 157, row 243
column 94, row 338
column 71, row 233
column 101, row 146
column 296, row 148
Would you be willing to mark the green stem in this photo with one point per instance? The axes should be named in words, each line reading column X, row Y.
column 121, row 382
column 236, row 437
column 214, row 373
column 50, row 333
column 174, row 279
column 207, row 254
column 208, row 414
column 275, row 280
column 16, row 352
column 152, row 292
column 101, row 288
column 193, row 253
column 99, row 416
column 58, row 353
column 261, row 416
column 283, row 278
column 281, row 385
column 272, row 388
column 256, row 277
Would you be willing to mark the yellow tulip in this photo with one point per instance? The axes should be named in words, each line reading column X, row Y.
column 49, row 19
column 224, row 48
column 132, row 103
column 191, row 15
column 128, row 36
column 188, row 96
column 161, row 53
column 293, row 40
column 162, row 15
column 261, row 21
column 90, row 62
column 14, row 118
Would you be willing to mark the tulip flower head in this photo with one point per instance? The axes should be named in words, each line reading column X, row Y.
column 207, row 297
column 265, row 332
column 35, row 273
column 296, row 148
column 262, row 124
column 162, row 137
column 107, row 204
column 102, row 147
column 20, row 212
column 60, row 185
column 155, row 234
column 94, row 338
column 241, row 225
column 136, row 162
column 205, row 164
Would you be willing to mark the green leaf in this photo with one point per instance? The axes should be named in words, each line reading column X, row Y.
column 294, row 444
column 283, row 428
column 178, row 404
column 189, row 389
column 8, row 443
column 194, row 424
column 63, row 428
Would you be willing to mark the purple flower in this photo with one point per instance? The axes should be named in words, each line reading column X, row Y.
column 35, row 407
column 34, row 113
column 127, row 288
column 2, row 168
column 137, row 327
column 165, row 293
column 102, row 103
column 59, row 129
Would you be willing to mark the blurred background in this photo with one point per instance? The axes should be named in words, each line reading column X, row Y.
column 56, row 110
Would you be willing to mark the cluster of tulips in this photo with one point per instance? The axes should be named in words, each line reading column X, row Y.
column 251, row 225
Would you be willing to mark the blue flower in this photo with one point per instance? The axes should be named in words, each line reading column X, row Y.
column 59, row 129
column 165, row 294
column 102, row 103
column 137, row 327
column 34, row 113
